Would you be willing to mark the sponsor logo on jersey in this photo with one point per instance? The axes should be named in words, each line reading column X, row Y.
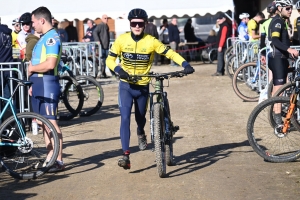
column 50, row 42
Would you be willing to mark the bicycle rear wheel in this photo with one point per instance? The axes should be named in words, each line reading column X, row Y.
column 159, row 143
column 27, row 161
column 266, row 140
column 72, row 99
column 245, row 83
column 93, row 95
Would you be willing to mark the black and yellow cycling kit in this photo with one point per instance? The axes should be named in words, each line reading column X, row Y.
column 137, row 54
column 278, row 61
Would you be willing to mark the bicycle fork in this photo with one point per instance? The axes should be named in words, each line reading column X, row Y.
column 290, row 112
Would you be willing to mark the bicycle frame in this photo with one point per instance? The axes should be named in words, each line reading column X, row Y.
column 161, row 98
column 10, row 104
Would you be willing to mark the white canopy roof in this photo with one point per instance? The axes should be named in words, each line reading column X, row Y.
column 83, row 9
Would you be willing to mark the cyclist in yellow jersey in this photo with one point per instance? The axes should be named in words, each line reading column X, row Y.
column 296, row 37
column 253, row 26
column 136, row 50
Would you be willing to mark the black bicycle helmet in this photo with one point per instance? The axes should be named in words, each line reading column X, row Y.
column 138, row 13
column 25, row 18
column 272, row 7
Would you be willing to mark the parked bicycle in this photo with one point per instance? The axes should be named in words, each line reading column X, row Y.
column 93, row 94
column 22, row 140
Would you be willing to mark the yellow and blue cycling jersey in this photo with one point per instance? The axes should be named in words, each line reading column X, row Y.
column 137, row 56
column 49, row 45
column 46, row 87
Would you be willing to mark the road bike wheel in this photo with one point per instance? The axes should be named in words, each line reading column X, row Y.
column 71, row 99
column 229, row 66
column 93, row 95
column 28, row 160
column 243, row 85
column 159, row 143
column 265, row 139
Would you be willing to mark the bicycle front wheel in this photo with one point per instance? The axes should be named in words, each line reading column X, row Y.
column 30, row 157
column 159, row 144
column 266, row 139
column 93, row 95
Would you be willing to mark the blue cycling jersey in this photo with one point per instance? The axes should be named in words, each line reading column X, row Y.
column 49, row 45
column 243, row 31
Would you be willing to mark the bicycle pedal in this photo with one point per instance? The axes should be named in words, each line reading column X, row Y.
column 175, row 128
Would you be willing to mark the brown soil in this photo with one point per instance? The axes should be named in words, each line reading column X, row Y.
column 212, row 154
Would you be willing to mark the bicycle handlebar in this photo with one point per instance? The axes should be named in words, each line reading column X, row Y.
column 136, row 78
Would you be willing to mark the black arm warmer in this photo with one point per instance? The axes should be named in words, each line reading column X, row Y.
column 278, row 44
column 263, row 43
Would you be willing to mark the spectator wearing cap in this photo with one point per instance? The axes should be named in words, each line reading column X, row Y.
column 223, row 34
column 253, row 26
column 25, row 20
column 243, row 29
column 14, row 34
column 151, row 29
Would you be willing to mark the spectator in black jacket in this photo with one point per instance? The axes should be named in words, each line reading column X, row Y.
column 5, row 56
column 222, row 36
column 101, row 35
column 151, row 29
column 174, row 38
column 72, row 33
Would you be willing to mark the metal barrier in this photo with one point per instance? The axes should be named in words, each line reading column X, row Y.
column 14, row 69
column 86, row 57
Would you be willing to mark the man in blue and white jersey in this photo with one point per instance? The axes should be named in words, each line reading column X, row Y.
column 243, row 29
column 42, row 71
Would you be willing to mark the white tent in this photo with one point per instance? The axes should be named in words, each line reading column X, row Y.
column 83, row 9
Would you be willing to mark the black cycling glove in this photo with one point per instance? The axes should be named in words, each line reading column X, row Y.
column 188, row 69
column 123, row 74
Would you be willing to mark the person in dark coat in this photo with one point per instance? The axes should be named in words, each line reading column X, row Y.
column 72, row 33
column 151, row 29
column 223, row 34
column 174, row 38
column 101, row 35
column 5, row 56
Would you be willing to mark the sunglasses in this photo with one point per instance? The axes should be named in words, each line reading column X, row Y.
column 288, row 8
column 27, row 24
column 140, row 24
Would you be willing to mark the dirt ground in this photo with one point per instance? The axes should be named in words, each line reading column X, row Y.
column 212, row 154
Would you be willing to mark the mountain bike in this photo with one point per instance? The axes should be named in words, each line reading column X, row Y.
column 22, row 145
column 273, row 142
column 162, row 128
